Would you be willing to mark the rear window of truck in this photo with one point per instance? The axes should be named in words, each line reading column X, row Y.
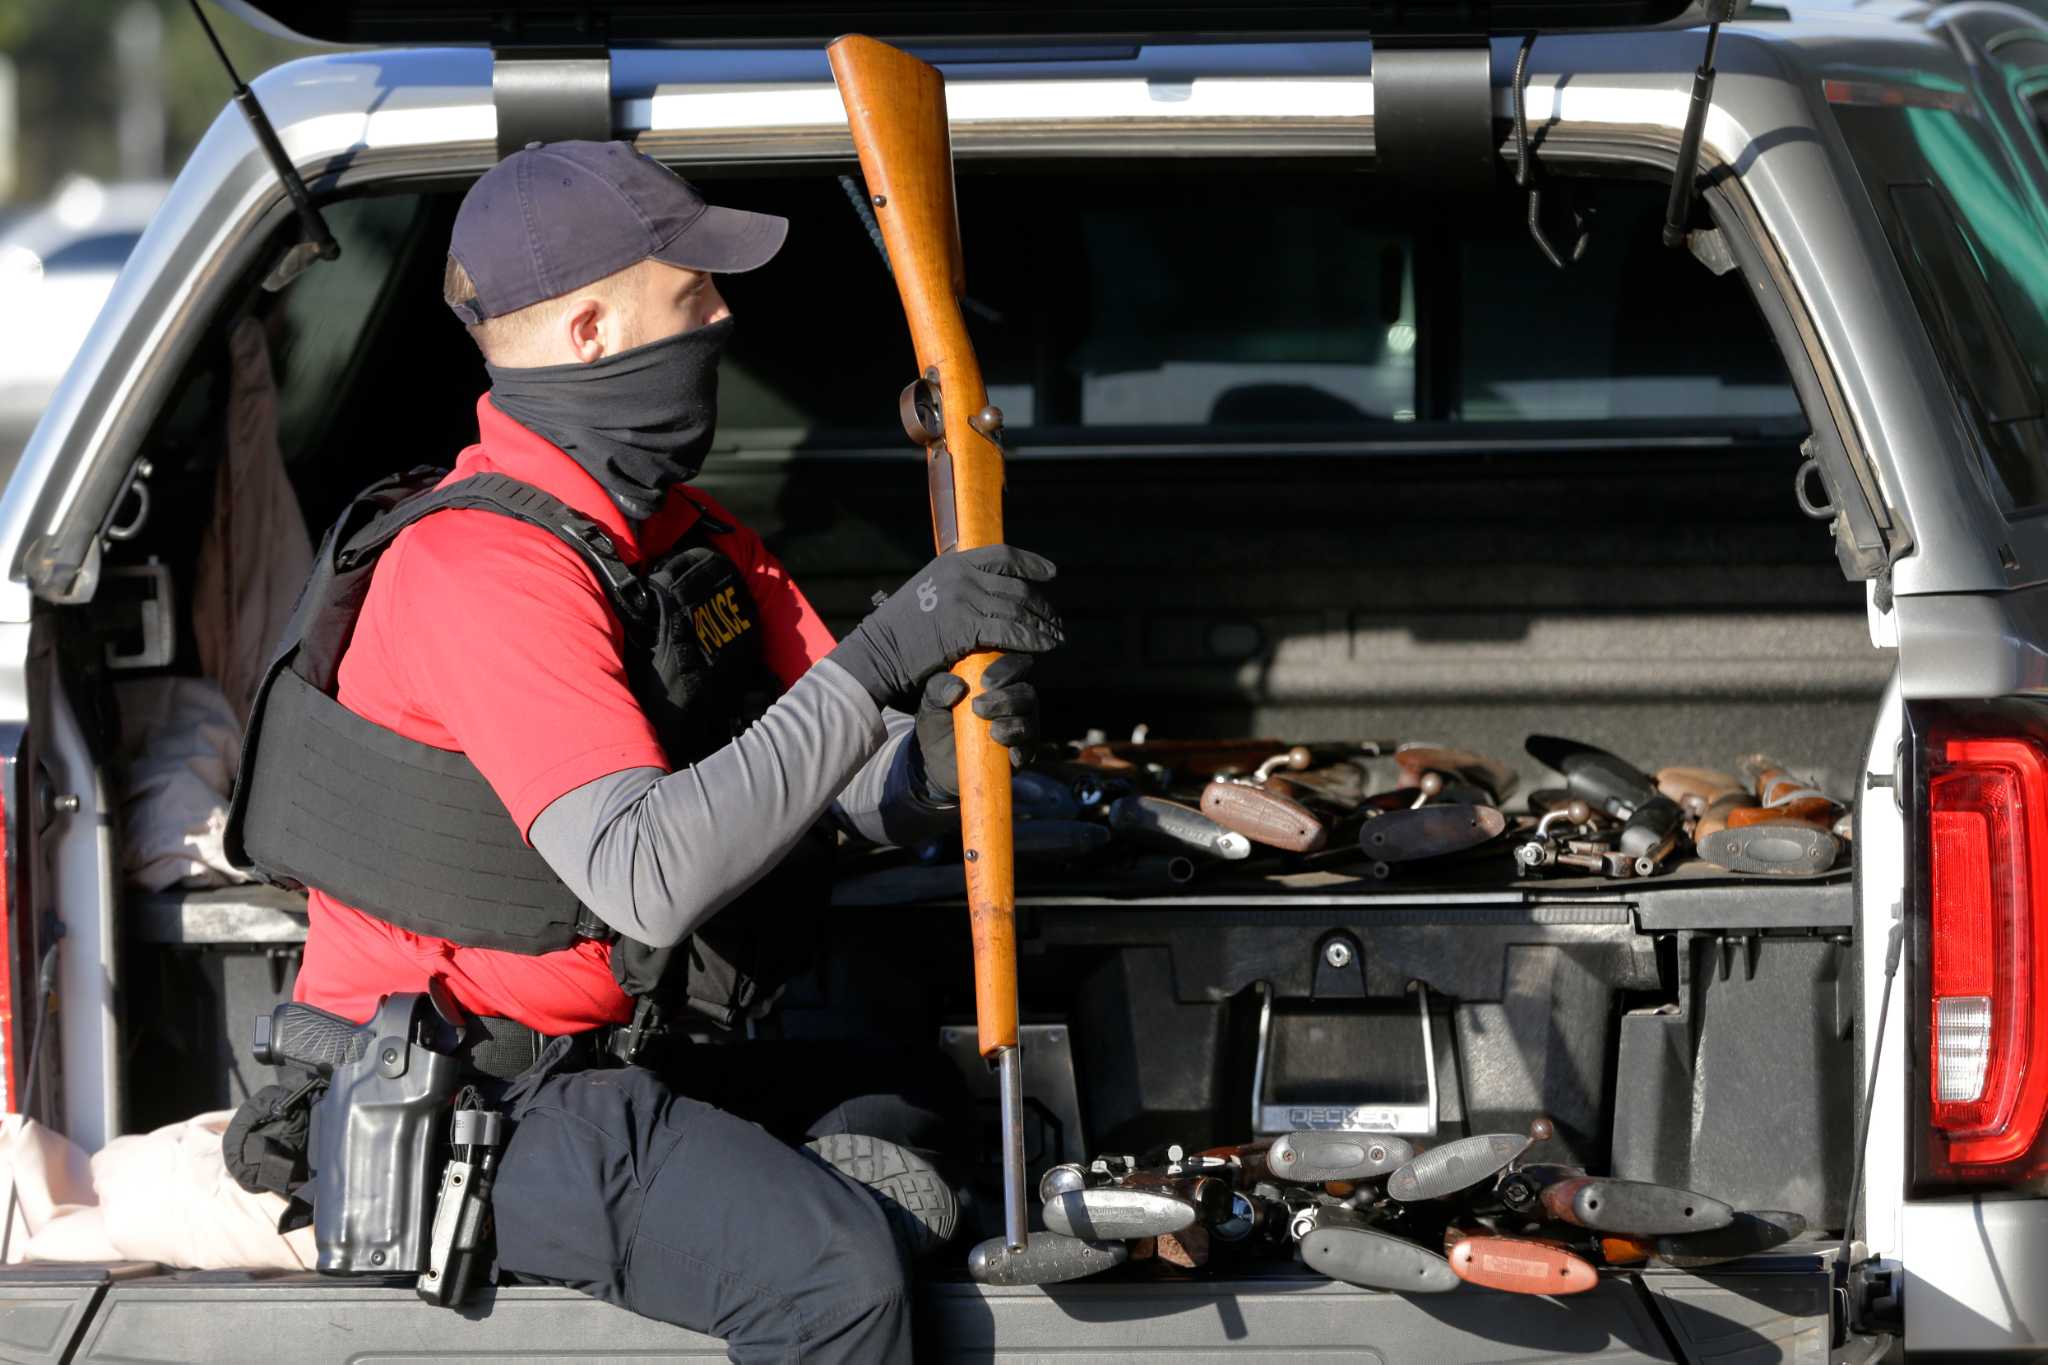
column 1240, row 305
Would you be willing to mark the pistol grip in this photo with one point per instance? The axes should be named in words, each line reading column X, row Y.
column 299, row 1035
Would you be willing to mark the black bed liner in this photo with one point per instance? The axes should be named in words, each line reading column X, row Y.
column 1773, row 1307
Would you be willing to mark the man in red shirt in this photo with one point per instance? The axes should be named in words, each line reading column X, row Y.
column 586, row 274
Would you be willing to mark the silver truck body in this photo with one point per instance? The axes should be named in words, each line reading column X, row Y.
column 1965, row 599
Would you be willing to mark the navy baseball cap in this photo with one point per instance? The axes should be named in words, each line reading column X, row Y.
column 555, row 216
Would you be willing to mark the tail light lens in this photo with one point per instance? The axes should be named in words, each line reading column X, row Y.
column 1988, row 1012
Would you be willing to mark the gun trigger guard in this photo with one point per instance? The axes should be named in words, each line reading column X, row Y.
column 923, row 417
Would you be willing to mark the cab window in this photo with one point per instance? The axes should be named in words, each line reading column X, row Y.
column 1239, row 306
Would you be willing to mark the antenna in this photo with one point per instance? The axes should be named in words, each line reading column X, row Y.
column 319, row 243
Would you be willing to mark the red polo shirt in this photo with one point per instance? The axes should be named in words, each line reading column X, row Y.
column 488, row 636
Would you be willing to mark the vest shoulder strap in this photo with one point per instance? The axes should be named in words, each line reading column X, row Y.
column 523, row 502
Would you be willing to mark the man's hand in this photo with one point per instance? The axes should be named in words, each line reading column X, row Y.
column 1007, row 703
column 960, row 603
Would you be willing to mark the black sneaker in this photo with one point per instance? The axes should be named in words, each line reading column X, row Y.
column 922, row 1209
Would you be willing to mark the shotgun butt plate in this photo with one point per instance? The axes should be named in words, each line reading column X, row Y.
column 1429, row 832
column 1633, row 1208
column 1785, row 850
column 1518, row 1266
column 1372, row 1259
column 1109, row 1214
column 1313, row 1158
column 1046, row 1258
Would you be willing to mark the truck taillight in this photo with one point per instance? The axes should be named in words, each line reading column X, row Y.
column 1987, row 842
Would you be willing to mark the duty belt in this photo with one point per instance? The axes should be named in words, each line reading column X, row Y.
column 502, row 1048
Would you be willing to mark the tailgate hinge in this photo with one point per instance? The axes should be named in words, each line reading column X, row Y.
column 551, row 94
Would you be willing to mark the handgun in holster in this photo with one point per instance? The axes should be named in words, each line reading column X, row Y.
column 377, row 1141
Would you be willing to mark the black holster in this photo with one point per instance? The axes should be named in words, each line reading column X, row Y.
column 376, row 1139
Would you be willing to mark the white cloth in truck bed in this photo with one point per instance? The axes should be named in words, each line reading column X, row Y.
column 164, row 1196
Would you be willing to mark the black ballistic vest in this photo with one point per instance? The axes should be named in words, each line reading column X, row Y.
column 414, row 834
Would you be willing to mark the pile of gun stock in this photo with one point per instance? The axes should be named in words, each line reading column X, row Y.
column 1369, row 1210
column 1400, row 810
column 1364, row 1208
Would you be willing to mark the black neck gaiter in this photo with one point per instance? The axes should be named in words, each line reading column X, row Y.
column 639, row 422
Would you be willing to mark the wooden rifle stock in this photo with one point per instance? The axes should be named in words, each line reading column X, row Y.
column 896, row 106
column 1813, row 812
column 1497, row 779
column 1695, row 789
column 1785, row 797
column 1714, row 818
column 1265, row 817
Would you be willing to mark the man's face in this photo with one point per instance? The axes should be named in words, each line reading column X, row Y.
column 673, row 300
column 651, row 302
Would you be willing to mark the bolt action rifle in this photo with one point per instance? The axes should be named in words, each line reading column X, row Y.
column 896, row 108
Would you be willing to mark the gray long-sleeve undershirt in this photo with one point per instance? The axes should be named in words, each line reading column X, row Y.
column 655, row 854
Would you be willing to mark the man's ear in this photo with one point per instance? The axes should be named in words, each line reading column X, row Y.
column 581, row 324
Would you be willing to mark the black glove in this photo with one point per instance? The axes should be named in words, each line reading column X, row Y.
column 960, row 603
column 1007, row 703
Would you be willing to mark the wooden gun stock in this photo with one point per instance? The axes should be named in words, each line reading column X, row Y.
column 1695, row 789
column 1265, row 817
column 896, row 106
column 1497, row 779
column 1789, row 798
column 1816, row 812
column 1714, row 818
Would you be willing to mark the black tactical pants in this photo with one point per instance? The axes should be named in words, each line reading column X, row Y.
column 614, row 1184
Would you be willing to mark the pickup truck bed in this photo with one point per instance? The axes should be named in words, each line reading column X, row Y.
column 1769, row 1308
